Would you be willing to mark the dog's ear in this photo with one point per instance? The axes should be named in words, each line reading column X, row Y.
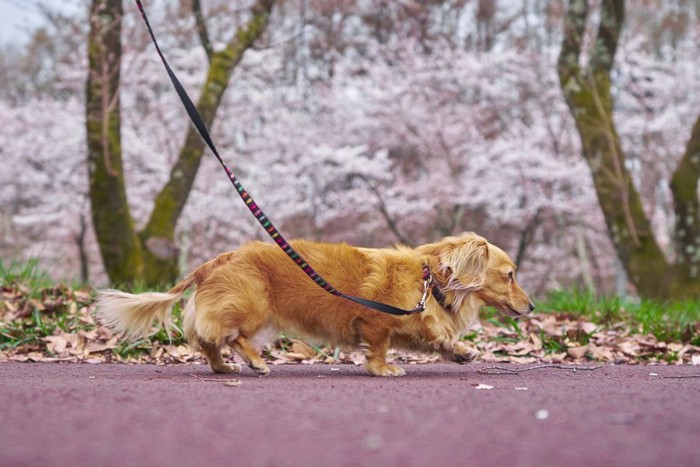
column 462, row 260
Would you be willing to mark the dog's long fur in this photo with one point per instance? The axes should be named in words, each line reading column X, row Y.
column 253, row 293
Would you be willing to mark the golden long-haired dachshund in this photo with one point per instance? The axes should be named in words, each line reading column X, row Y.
column 246, row 297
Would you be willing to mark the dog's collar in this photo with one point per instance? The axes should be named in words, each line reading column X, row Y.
column 440, row 297
column 429, row 285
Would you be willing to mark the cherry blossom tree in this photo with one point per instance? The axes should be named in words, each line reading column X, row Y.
column 367, row 122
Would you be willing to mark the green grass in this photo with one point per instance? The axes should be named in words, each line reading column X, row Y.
column 668, row 321
column 42, row 309
column 27, row 288
column 26, row 275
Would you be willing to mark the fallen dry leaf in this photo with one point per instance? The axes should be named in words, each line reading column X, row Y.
column 356, row 357
column 554, row 358
column 536, row 342
column 683, row 351
column 522, row 360
column 304, row 349
column 629, row 348
column 587, row 327
column 95, row 347
column 55, row 344
column 577, row 352
column 72, row 340
column 36, row 356
column 295, row 356
column 601, row 353
column 88, row 335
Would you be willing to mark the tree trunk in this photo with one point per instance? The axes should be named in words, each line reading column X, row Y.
column 684, row 186
column 587, row 93
column 149, row 256
column 114, row 226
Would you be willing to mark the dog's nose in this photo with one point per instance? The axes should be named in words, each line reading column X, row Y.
column 531, row 306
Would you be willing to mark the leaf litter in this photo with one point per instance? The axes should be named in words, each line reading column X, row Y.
column 58, row 325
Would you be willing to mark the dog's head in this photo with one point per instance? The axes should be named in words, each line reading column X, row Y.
column 501, row 290
column 469, row 264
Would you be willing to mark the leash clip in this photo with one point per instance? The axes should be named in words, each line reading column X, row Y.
column 426, row 289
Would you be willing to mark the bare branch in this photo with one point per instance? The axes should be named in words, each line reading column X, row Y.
column 574, row 27
column 202, row 30
column 612, row 15
column 384, row 210
column 501, row 370
column 527, row 235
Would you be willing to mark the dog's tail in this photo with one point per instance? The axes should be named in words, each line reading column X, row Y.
column 132, row 315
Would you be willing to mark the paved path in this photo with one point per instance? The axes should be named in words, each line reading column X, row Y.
column 320, row 415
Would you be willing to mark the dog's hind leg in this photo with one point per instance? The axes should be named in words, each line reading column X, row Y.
column 249, row 353
column 212, row 352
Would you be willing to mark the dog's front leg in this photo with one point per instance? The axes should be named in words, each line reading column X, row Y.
column 439, row 339
column 376, row 364
column 461, row 353
column 375, row 344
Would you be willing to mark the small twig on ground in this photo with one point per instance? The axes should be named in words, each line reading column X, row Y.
column 680, row 377
column 500, row 370
column 217, row 380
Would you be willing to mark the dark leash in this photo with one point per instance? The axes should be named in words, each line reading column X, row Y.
column 428, row 283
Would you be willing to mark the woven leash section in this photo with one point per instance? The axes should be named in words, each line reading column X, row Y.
column 253, row 206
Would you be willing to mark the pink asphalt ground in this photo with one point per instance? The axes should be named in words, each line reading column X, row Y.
column 321, row 415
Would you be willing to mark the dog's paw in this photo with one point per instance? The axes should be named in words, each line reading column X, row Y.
column 227, row 368
column 261, row 368
column 386, row 370
column 462, row 353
